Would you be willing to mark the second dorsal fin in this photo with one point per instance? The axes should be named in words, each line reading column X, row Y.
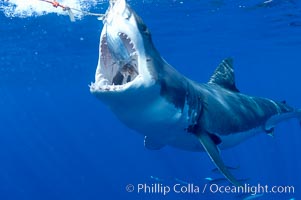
column 224, row 75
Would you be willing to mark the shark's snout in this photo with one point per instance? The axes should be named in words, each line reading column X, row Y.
column 122, row 57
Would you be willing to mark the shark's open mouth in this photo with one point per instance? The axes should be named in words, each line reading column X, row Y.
column 115, row 70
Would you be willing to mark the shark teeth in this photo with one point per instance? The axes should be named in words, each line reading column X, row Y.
column 112, row 72
column 128, row 42
column 107, row 88
column 100, row 87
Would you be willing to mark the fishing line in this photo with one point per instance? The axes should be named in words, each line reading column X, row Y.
column 71, row 10
column 56, row 4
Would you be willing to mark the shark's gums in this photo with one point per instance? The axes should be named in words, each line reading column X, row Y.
column 168, row 109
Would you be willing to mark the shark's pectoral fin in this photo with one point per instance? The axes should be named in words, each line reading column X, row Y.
column 152, row 144
column 214, row 155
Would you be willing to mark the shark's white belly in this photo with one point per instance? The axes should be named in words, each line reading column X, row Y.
column 153, row 116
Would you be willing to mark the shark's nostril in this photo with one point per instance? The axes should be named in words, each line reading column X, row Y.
column 126, row 13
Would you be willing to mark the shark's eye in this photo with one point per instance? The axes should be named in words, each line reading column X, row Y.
column 144, row 28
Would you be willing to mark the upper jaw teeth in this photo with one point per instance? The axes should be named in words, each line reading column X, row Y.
column 114, row 74
column 134, row 54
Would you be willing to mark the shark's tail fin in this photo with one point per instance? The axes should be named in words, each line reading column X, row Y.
column 273, row 121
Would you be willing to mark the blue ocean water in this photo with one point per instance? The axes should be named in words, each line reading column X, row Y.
column 57, row 141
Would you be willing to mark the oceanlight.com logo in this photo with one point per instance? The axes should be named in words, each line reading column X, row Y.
column 190, row 188
column 251, row 189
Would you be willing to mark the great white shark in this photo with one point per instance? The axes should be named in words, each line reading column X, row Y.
column 168, row 109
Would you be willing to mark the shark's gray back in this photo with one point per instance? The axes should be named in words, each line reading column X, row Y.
column 218, row 107
column 225, row 112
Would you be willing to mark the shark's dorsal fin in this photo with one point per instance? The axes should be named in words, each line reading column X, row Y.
column 224, row 75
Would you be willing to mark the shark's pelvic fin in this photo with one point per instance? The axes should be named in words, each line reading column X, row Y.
column 214, row 155
column 152, row 144
column 224, row 75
